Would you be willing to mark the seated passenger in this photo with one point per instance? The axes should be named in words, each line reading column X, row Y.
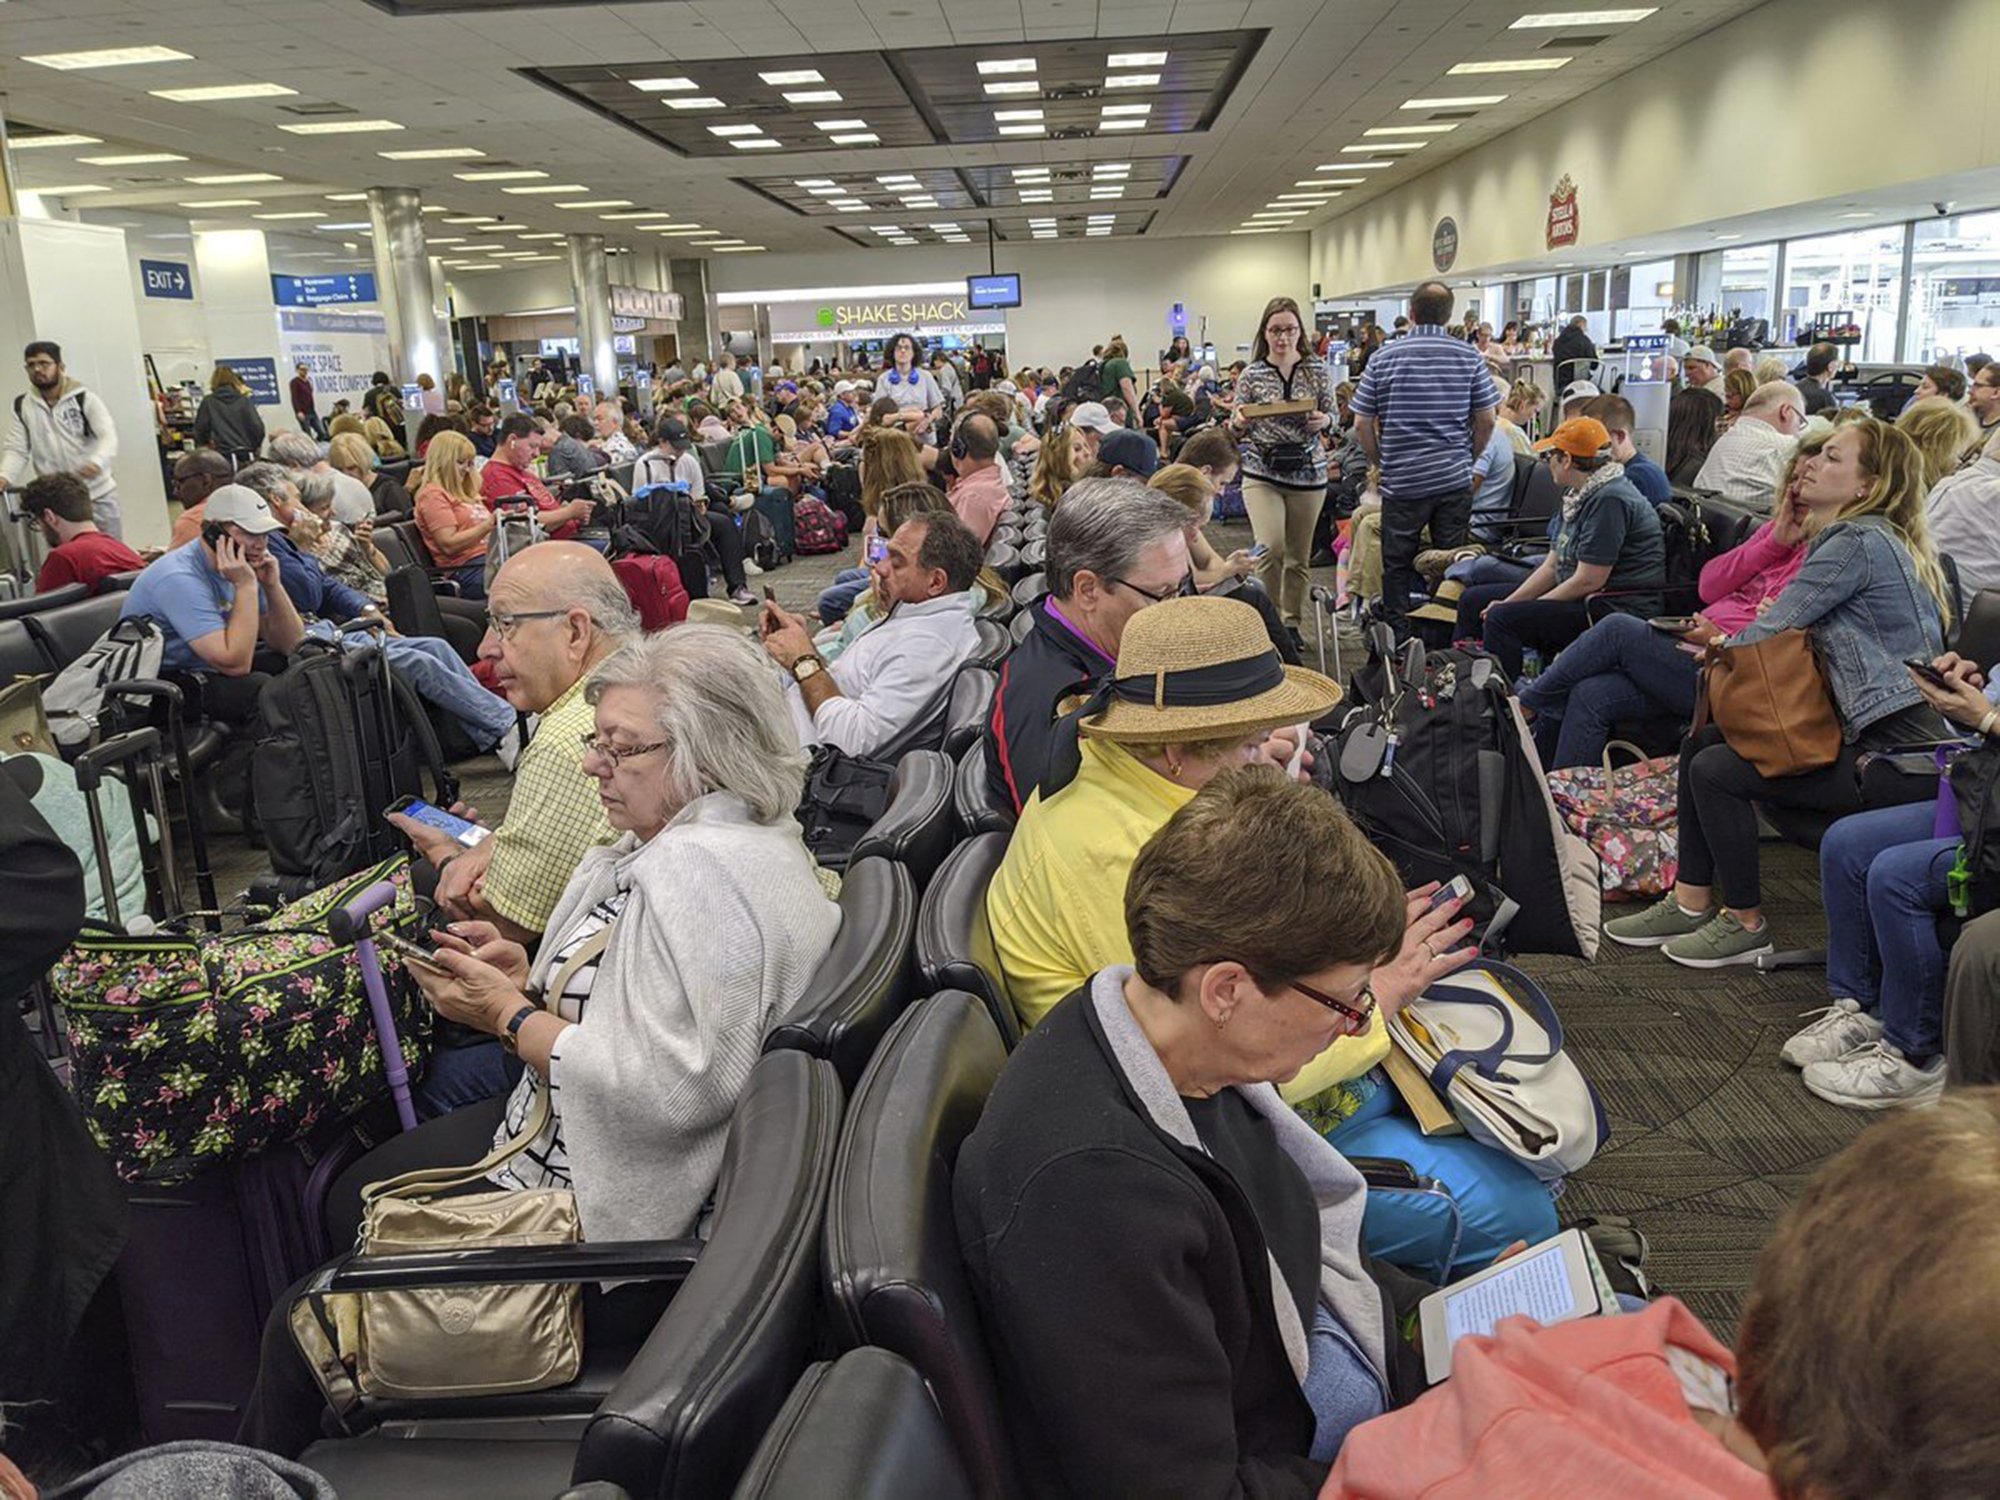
column 1622, row 668
column 570, row 456
column 1194, row 491
column 1647, row 477
column 1746, row 461
column 453, row 520
column 1964, row 516
column 509, row 477
column 1941, row 429
column 1167, row 1259
column 979, row 494
column 1605, row 537
column 893, row 510
column 1691, row 429
column 1904, row 1221
column 902, row 666
column 667, row 958
column 1883, row 878
column 1872, row 595
column 1114, row 547
column 59, row 504
column 197, row 475
column 888, row 458
column 345, row 548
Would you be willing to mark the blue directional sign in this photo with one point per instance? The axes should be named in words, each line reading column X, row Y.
column 166, row 278
column 261, row 375
column 320, row 291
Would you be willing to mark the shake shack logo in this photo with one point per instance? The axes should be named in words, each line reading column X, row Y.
column 891, row 314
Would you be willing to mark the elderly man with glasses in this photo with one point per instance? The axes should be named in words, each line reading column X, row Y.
column 1746, row 461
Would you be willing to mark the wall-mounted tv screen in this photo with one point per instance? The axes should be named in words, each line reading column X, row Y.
column 993, row 291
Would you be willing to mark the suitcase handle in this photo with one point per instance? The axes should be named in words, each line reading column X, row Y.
column 349, row 924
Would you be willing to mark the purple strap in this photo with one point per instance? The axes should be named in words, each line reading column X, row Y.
column 1946, row 825
column 372, row 900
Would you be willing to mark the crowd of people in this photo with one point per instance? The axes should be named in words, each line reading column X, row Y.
column 1182, row 1279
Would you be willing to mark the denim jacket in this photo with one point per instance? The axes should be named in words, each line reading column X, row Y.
column 1859, row 594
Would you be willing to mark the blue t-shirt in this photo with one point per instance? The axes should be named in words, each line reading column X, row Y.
column 189, row 599
column 1649, row 479
column 841, row 418
column 1424, row 391
column 1618, row 528
column 1492, row 485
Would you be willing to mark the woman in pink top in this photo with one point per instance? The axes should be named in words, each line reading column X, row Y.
column 1623, row 668
column 1864, row 1367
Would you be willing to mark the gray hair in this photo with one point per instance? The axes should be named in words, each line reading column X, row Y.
column 1103, row 525
column 316, row 488
column 720, row 710
column 610, row 607
column 264, row 478
column 292, row 449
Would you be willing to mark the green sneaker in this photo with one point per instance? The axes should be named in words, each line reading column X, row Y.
column 1719, row 944
column 1657, row 924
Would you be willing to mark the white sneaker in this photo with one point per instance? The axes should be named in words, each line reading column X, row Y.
column 750, row 568
column 1835, row 1032
column 1876, row 1076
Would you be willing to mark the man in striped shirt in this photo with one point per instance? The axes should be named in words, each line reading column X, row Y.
column 1424, row 408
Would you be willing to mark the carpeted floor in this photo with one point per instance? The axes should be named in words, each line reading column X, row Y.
column 1711, row 1134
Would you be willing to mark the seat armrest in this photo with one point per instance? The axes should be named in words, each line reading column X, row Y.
column 1596, row 606
column 522, row 1265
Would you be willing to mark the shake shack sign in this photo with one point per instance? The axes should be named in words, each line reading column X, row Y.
column 1444, row 244
column 847, row 317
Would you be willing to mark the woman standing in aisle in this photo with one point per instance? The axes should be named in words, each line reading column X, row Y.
column 1284, row 462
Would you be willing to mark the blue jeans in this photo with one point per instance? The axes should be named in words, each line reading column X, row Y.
column 434, row 670
column 459, row 1076
column 471, row 579
column 1620, row 668
column 838, row 597
column 1509, row 629
column 1883, row 879
column 1340, row 1385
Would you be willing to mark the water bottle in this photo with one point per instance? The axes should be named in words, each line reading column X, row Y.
column 1531, row 664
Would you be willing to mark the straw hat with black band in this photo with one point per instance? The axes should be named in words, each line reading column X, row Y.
column 1190, row 668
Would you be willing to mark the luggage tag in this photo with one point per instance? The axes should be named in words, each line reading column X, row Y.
column 1414, row 656
column 1361, row 757
column 1482, row 673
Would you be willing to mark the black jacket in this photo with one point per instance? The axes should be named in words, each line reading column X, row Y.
column 1125, row 1288
column 1571, row 344
column 392, row 497
column 227, row 421
column 1038, row 674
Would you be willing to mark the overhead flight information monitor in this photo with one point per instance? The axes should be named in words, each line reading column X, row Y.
column 993, row 291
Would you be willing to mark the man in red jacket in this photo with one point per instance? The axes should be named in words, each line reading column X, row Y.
column 508, row 474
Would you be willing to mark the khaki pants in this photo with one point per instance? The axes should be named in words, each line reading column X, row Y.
column 1364, row 551
column 1283, row 520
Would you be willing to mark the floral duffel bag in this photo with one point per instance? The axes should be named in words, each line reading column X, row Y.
column 190, row 1048
column 1629, row 815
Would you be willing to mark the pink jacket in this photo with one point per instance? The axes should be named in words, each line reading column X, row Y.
column 1736, row 583
column 1583, row 1408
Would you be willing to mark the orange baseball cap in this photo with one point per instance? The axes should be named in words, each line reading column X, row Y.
column 1579, row 437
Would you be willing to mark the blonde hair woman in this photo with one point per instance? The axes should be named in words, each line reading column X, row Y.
column 1196, row 493
column 1771, row 368
column 452, row 517
column 382, row 438
column 1941, row 429
column 1056, row 468
column 347, row 422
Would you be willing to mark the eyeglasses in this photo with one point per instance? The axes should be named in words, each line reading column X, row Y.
column 1283, row 331
column 504, row 625
column 1158, row 598
column 1364, row 998
column 592, row 745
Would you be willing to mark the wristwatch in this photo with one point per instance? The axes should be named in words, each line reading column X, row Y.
column 510, row 1035
column 807, row 666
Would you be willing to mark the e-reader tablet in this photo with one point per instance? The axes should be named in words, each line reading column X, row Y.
column 1551, row 1282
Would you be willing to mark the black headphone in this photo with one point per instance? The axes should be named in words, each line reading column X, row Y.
column 958, row 452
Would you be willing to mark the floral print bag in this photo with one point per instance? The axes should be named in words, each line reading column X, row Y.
column 1628, row 815
column 192, row 1048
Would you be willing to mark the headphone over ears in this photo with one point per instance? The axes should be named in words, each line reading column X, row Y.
column 958, row 440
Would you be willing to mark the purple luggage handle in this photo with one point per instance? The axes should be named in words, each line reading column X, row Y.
column 349, row 924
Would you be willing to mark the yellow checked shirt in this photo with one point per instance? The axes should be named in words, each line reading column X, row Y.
column 553, row 816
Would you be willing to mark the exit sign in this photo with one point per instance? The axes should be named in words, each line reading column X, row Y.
column 166, row 278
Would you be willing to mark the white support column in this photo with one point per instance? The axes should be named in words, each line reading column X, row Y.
column 403, row 284
column 590, row 279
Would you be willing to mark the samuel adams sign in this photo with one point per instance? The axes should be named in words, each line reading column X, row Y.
column 1562, row 214
column 1444, row 244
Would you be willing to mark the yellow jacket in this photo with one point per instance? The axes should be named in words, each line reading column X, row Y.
column 1057, row 902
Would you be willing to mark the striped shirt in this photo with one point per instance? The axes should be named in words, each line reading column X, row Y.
column 1423, row 391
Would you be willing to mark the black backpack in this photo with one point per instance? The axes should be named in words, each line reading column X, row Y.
column 1085, row 383
column 844, row 795
column 344, row 737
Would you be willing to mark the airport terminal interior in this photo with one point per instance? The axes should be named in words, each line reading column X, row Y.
column 999, row 748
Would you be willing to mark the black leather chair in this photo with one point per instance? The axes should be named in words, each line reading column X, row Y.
column 1035, row 552
column 1020, row 625
column 684, row 1416
column 970, row 799
column 954, row 939
column 1034, row 586
column 21, row 655
column 1004, row 558
column 1007, row 532
column 970, row 707
column 1978, row 637
column 118, row 583
column 999, row 610
column 895, row 1278
column 863, row 1428
column 866, row 980
column 69, row 630
column 915, row 829
column 395, row 547
column 29, row 604
column 994, row 644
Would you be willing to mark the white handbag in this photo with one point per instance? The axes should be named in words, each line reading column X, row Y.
column 1490, row 1042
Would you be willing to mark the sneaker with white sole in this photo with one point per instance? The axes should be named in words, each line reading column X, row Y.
column 1719, row 944
column 1833, row 1033
column 1876, row 1076
column 1659, row 923
column 750, row 568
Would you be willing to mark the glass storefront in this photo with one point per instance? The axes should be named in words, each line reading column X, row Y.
column 1955, row 288
column 1849, row 279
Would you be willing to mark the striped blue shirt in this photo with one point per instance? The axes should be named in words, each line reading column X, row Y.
column 1423, row 391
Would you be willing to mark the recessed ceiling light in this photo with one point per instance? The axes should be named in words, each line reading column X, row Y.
column 513, row 254
column 988, row 67
column 1123, row 122
column 197, row 203
column 945, row 228
column 1045, row 234
column 1024, row 130
column 666, row 85
column 810, row 183
column 957, row 239
column 1549, row 20
column 468, row 218
column 1277, row 213
column 142, row 159
column 107, row 57
column 1017, row 114
column 548, row 187
column 1038, row 195
column 644, row 213
column 1041, row 223
column 340, row 127
column 884, row 229
column 24, row 142
column 1729, row 236
column 433, row 153
column 1457, row 101
column 469, row 249
column 1331, row 181
column 761, row 143
column 539, row 234
column 1131, row 80
column 500, row 174
column 840, row 125
column 1136, row 60
column 450, row 239
column 1107, row 192
column 1511, row 65
column 924, row 201
column 700, row 101
column 1112, row 169
column 680, row 233
column 734, row 249
column 1410, row 130
column 1031, row 174
column 359, row 224
column 1103, row 219
column 1863, row 214
column 864, row 138
column 1126, row 109
column 230, row 179
column 797, row 76
column 472, row 265
column 1360, row 166
column 352, row 198
column 1375, row 146
column 1257, row 229
column 814, row 96
column 598, row 203
column 729, row 130
column 1304, row 197
column 845, row 202
column 1014, row 86
column 829, row 191
column 495, row 228
column 211, row 92
column 298, row 213
column 1634, row 254
column 849, row 208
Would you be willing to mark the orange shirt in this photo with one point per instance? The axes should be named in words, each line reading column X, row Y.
column 437, row 513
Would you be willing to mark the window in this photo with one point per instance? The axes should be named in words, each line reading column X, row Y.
column 1736, row 283
column 1955, row 288
column 1853, row 278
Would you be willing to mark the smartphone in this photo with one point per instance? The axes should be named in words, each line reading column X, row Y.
column 770, row 594
column 416, row 954
column 1930, row 674
column 466, row 833
column 1458, row 888
column 1674, row 624
column 1262, row 549
column 877, row 549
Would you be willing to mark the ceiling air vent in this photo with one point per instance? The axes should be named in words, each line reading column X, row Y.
column 1452, row 114
column 1574, row 43
column 318, row 111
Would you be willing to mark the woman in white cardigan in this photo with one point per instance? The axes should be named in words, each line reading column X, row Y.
column 670, row 955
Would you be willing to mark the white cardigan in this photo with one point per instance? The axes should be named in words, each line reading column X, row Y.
column 723, row 928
